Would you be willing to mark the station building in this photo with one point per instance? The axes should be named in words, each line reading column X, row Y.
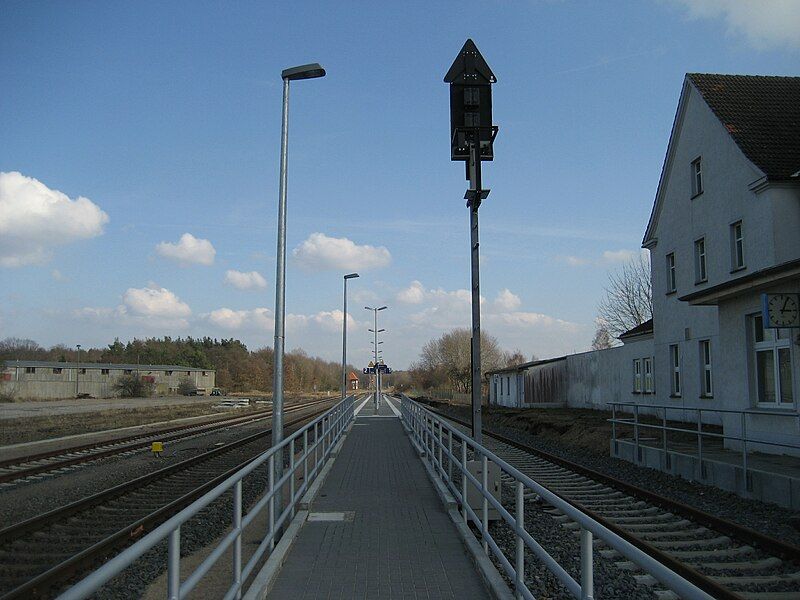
column 49, row 380
column 724, row 229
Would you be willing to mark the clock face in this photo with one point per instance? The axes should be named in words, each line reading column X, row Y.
column 783, row 310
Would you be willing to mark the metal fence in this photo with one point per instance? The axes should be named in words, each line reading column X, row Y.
column 306, row 457
column 449, row 451
column 748, row 443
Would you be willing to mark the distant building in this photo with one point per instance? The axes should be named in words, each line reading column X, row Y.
column 44, row 379
column 352, row 381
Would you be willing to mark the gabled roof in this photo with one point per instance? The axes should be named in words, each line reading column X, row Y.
column 762, row 114
column 351, row 376
column 641, row 329
column 47, row 364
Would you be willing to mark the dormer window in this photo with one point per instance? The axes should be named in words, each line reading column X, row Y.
column 697, row 177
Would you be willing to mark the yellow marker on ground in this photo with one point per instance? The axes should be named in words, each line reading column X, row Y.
column 157, row 448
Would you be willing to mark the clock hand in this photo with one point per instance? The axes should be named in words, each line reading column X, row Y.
column 785, row 302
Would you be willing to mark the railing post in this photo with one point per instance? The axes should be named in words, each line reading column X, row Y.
column 744, row 450
column 614, row 424
column 305, row 457
column 519, row 579
column 636, row 432
column 271, row 467
column 485, row 490
column 439, row 444
column 664, row 437
column 291, row 478
column 237, row 544
column 700, row 443
column 464, row 481
column 174, row 564
column 450, row 456
column 587, row 566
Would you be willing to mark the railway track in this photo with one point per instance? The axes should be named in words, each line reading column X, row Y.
column 40, row 555
column 34, row 466
column 727, row 560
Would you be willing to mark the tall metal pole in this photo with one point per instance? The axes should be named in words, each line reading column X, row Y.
column 376, row 356
column 473, row 204
column 344, row 342
column 280, row 298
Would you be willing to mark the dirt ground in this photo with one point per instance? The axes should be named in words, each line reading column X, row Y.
column 58, row 422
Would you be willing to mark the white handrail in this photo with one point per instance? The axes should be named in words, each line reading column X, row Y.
column 435, row 436
column 328, row 429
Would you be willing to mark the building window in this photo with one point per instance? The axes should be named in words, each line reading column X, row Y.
column 637, row 376
column 167, row 372
column 648, row 375
column 697, row 177
column 128, row 371
column 57, row 371
column 103, row 371
column 707, row 385
column 772, row 349
column 204, row 373
column 700, row 274
column 30, row 369
column 737, row 246
column 671, row 284
column 675, row 367
column 82, row 371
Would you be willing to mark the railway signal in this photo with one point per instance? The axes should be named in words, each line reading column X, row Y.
column 472, row 140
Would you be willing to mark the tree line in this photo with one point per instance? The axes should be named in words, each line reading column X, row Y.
column 238, row 368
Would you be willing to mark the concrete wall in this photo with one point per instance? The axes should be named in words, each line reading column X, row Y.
column 45, row 384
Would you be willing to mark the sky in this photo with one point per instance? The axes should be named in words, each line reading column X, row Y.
column 139, row 158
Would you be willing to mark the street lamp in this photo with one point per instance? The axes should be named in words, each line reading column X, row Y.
column 344, row 335
column 293, row 74
column 78, row 370
column 376, row 331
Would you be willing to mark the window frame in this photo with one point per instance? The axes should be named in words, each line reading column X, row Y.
column 700, row 261
column 30, row 370
column 696, row 169
column 637, row 376
column 647, row 368
column 672, row 275
column 675, row 370
column 774, row 342
column 737, row 246
column 706, row 369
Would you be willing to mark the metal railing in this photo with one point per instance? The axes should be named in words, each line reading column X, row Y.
column 326, row 431
column 697, row 432
column 448, row 450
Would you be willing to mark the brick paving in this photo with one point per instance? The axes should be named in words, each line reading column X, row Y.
column 400, row 542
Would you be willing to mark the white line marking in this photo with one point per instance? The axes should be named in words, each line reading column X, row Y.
column 391, row 405
column 358, row 410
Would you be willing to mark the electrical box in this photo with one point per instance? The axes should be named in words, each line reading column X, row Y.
column 474, row 496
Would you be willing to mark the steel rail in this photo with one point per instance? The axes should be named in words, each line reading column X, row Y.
column 66, row 569
column 120, row 445
column 744, row 534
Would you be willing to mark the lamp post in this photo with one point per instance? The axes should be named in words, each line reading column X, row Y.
column 309, row 71
column 78, row 370
column 344, row 335
column 376, row 331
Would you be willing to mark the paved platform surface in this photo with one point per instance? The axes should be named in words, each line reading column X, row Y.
column 398, row 542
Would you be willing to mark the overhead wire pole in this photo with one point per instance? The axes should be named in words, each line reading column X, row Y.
column 344, row 335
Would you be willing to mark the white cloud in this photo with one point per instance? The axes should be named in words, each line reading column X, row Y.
column 154, row 301
column 188, row 250
column 608, row 257
column 245, row 281
column 764, row 24
column 57, row 275
column 413, row 294
column 152, row 307
column 34, row 219
column 320, row 252
column 259, row 319
column 506, row 301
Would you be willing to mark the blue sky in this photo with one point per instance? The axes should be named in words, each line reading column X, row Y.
column 166, row 117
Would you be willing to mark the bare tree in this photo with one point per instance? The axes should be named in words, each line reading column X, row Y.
column 629, row 299
column 602, row 338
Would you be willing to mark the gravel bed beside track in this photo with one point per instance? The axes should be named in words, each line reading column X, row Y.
column 769, row 519
column 27, row 499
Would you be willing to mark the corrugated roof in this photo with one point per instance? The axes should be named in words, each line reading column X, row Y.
column 762, row 115
column 45, row 364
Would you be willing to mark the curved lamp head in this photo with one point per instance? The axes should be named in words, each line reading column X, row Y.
column 310, row 71
column 351, row 276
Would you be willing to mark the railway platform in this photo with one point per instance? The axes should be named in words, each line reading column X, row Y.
column 377, row 528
